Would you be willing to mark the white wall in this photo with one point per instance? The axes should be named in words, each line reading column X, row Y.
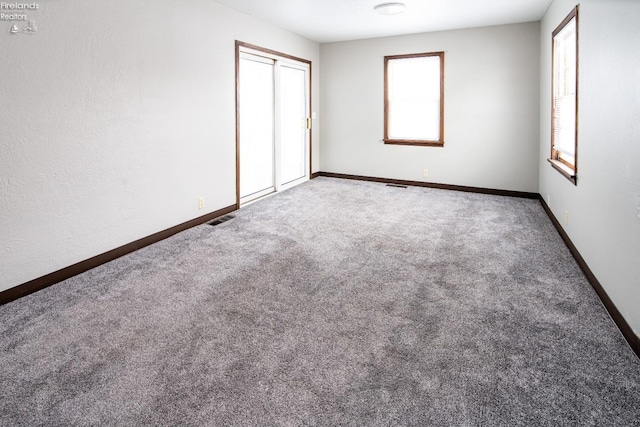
column 491, row 108
column 604, row 208
column 116, row 116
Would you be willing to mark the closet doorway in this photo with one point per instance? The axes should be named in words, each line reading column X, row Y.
column 273, row 125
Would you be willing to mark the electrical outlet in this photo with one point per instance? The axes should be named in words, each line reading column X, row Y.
column 425, row 173
column 200, row 202
column 566, row 217
column 549, row 200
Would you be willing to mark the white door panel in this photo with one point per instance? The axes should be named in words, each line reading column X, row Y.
column 256, row 126
column 293, row 124
column 274, row 139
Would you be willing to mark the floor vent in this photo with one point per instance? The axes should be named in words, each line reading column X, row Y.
column 221, row 220
column 396, row 185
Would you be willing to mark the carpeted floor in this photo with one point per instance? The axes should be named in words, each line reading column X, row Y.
column 333, row 303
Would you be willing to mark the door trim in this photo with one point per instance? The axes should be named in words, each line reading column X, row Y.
column 239, row 45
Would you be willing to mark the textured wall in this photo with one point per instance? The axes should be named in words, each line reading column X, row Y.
column 604, row 208
column 491, row 108
column 116, row 117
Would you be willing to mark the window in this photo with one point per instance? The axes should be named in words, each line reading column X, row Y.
column 564, row 107
column 414, row 99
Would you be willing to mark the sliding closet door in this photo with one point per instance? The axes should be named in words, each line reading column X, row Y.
column 294, row 132
column 256, row 126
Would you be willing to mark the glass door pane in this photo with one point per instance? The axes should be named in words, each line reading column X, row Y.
column 256, row 93
column 293, row 123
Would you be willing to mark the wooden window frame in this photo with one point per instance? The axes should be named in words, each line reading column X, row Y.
column 566, row 169
column 420, row 142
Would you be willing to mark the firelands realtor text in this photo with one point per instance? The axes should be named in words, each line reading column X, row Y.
column 11, row 11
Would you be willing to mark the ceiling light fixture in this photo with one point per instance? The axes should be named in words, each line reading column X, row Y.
column 390, row 8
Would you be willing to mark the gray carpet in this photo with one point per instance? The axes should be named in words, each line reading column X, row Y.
column 333, row 303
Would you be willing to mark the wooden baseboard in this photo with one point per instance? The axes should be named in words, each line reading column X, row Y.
column 481, row 190
column 68, row 272
column 621, row 323
column 616, row 316
column 82, row 266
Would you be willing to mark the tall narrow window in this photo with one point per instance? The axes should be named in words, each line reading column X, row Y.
column 414, row 99
column 564, row 120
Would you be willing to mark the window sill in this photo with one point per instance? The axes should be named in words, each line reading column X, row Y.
column 414, row 142
column 564, row 170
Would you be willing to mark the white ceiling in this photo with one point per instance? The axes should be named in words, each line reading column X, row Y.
column 338, row 20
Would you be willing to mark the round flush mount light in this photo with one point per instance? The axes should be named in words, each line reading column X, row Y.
column 390, row 8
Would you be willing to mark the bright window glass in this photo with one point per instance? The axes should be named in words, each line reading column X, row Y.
column 565, row 94
column 413, row 98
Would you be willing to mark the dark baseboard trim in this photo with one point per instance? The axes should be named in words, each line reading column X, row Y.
column 621, row 323
column 82, row 266
column 616, row 316
column 481, row 190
